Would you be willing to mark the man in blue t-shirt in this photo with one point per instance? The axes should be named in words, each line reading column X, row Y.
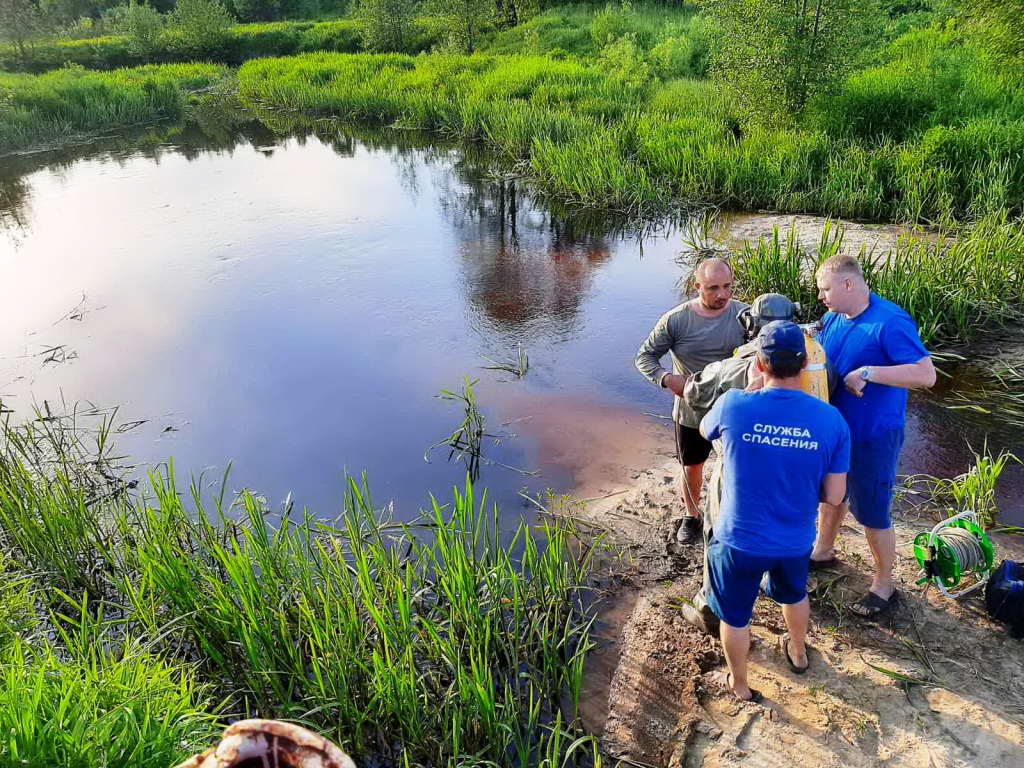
column 784, row 451
column 877, row 354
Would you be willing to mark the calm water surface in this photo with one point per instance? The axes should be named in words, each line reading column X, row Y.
column 294, row 306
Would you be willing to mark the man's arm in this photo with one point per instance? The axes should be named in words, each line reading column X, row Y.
column 919, row 375
column 833, row 489
column 648, row 359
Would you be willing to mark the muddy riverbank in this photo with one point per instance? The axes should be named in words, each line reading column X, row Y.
column 656, row 689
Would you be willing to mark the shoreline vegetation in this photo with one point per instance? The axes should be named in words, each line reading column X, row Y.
column 133, row 624
column 625, row 120
column 135, row 621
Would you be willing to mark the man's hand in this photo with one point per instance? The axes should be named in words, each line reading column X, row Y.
column 755, row 379
column 855, row 383
column 676, row 383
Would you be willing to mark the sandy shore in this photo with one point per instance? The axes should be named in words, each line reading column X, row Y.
column 655, row 688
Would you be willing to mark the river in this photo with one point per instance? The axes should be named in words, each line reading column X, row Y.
column 295, row 305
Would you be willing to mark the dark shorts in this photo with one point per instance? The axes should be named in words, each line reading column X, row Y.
column 871, row 483
column 734, row 581
column 691, row 447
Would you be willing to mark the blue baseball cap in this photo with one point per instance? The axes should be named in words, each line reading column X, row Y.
column 782, row 339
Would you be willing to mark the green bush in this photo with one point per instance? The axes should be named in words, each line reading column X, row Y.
column 625, row 62
column 673, row 57
column 199, row 29
column 929, row 78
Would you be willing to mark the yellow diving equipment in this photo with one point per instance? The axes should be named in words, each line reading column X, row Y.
column 814, row 379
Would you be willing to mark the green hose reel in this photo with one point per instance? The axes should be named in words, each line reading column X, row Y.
column 954, row 549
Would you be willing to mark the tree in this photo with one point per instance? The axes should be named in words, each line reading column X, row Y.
column 999, row 28
column 142, row 26
column 387, row 24
column 20, row 22
column 257, row 10
column 776, row 56
column 463, row 20
column 200, row 25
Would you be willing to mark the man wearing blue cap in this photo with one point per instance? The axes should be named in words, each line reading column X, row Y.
column 798, row 445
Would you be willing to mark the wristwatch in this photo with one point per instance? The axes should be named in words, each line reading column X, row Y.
column 865, row 373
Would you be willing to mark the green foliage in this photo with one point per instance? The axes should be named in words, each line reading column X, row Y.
column 387, row 24
column 118, row 708
column 638, row 151
column 955, row 289
column 17, row 606
column 776, row 57
column 40, row 109
column 464, row 20
column 142, row 26
column 20, row 22
column 998, row 26
column 625, row 62
column 244, row 41
column 200, row 27
column 928, row 79
column 463, row 645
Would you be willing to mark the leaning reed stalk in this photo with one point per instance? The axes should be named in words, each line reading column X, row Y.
column 436, row 643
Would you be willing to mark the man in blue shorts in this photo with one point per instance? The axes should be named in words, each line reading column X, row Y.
column 784, row 451
column 877, row 355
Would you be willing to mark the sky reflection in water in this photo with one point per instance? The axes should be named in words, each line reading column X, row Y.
column 294, row 306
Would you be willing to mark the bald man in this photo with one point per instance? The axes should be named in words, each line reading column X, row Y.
column 696, row 333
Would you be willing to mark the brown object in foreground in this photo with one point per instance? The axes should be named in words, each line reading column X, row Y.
column 270, row 744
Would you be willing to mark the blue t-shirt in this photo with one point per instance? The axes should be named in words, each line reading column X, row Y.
column 883, row 334
column 778, row 446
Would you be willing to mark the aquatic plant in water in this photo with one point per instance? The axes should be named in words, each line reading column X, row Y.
column 448, row 639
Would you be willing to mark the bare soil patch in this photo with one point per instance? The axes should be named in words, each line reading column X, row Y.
column 656, row 691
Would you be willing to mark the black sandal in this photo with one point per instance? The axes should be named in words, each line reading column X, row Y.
column 756, row 696
column 824, row 565
column 784, row 642
column 871, row 605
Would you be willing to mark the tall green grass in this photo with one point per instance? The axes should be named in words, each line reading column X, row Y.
column 59, row 106
column 87, row 695
column 595, row 140
column 446, row 641
column 956, row 287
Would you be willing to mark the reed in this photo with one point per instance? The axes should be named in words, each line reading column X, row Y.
column 971, row 491
column 62, row 106
column 447, row 640
column 956, row 287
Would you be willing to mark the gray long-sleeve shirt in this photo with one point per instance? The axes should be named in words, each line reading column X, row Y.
column 693, row 341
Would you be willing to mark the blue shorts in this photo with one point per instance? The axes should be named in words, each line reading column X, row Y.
column 734, row 581
column 872, row 479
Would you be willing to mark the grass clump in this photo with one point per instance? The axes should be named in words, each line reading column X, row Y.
column 971, row 491
column 68, row 103
column 86, row 695
column 955, row 288
column 438, row 642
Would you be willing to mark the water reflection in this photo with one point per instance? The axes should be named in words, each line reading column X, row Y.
column 15, row 208
column 295, row 303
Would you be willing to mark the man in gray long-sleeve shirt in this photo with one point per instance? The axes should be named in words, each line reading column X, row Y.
column 695, row 333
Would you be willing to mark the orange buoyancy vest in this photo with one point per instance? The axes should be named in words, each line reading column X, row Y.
column 814, row 379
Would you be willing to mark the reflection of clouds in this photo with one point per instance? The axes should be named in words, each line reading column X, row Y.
column 600, row 445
